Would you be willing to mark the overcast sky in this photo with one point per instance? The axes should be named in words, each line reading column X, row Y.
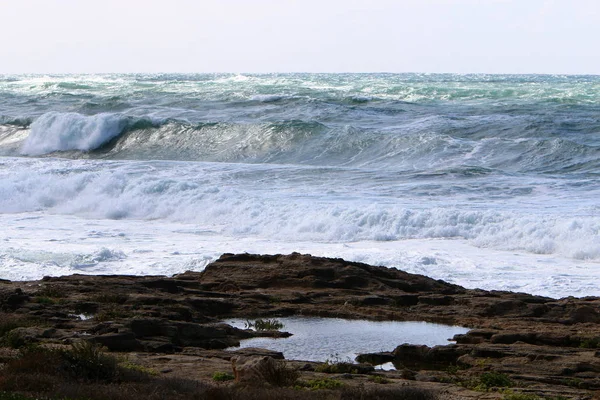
column 465, row 36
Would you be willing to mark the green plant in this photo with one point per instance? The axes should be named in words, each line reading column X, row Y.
column 488, row 380
column 86, row 360
column 379, row 379
column 337, row 365
column 573, row 382
column 129, row 366
column 264, row 325
column 14, row 339
column 337, row 368
column 590, row 343
column 10, row 322
column 320, row 384
column 452, row 369
column 222, row 377
column 45, row 300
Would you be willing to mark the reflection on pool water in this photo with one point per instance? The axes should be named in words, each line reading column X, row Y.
column 320, row 339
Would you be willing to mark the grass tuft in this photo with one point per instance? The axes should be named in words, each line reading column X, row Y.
column 265, row 325
column 222, row 377
column 320, row 384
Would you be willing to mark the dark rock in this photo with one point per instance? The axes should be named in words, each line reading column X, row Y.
column 160, row 346
column 425, row 377
column 124, row 341
column 14, row 300
column 167, row 285
column 374, row 301
column 584, row 314
column 492, row 351
column 406, row 300
column 505, row 307
column 375, row 358
column 513, row 337
column 306, row 367
column 255, row 351
column 146, row 327
column 436, row 300
column 428, row 357
column 211, row 307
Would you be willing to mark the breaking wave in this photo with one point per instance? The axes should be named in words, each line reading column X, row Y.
column 430, row 144
column 53, row 132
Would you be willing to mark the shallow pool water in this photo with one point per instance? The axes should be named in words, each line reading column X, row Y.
column 321, row 339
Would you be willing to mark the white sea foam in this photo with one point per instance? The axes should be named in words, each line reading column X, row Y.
column 71, row 131
column 39, row 244
column 243, row 201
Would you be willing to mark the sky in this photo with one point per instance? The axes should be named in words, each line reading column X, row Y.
column 255, row 36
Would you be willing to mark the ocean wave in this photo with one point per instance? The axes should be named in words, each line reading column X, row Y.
column 344, row 88
column 20, row 122
column 243, row 201
column 54, row 131
column 429, row 145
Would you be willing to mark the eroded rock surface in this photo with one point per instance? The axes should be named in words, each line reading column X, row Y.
column 544, row 346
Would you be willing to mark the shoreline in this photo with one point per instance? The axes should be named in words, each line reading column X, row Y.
column 544, row 347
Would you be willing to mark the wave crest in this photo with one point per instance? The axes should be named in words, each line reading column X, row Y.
column 56, row 131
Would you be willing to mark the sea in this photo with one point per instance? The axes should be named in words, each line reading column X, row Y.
column 486, row 181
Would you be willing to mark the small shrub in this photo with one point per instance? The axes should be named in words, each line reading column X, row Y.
column 489, row 380
column 452, row 370
column 10, row 322
column 44, row 300
column 264, row 325
column 86, row 361
column 222, row 377
column 136, row 368
column 378, row 379
column 590, row 343
column 14, row 339
column 337, row 365
column 320, row 384
column 573, row 382
column 337, row 368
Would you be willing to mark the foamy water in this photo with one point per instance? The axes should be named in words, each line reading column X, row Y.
column 484, row 181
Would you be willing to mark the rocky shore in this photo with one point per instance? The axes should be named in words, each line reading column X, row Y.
column 520, row 346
